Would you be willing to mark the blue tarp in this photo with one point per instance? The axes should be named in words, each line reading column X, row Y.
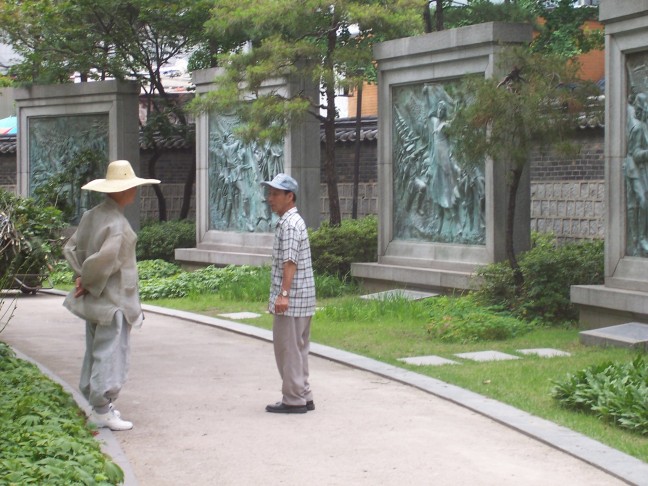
column 8, row 126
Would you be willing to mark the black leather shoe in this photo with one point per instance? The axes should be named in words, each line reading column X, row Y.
column 281, row 407
column 310, row 405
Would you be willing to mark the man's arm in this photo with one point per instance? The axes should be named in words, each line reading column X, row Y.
column 289, row 270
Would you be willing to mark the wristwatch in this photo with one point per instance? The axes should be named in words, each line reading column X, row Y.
column 284, row 293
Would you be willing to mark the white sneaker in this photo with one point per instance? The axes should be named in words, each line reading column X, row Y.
column 115, row 411
column 110, row 420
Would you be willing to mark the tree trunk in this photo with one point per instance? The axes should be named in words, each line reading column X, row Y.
column 335, row 218
column 162, row 209
column 356, row 159
column 427, row 17
column 516, row 176
column 330, row 170
column 188, row 188
column 439, row 15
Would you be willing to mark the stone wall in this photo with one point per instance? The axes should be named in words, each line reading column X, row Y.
column 572, row 210
column 567, row 194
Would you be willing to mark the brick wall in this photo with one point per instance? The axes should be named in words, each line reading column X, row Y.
column 567, row 194
column 587, row 165
column 7, row 170
column 173, row 194
column 345, row 160
column 171, row 167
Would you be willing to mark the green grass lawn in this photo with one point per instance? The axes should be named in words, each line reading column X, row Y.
column 386, row 333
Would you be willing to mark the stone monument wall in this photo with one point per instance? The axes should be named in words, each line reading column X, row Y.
column 439, row 220
column 234, row 224
column 624, row 296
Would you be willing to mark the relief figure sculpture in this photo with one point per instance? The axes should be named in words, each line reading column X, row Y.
column 635, row 168
column 236, row 168
column 435, row 199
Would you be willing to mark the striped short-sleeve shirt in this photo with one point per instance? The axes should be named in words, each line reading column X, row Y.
column 291, row 244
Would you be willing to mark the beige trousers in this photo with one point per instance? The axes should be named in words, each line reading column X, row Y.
column 291, row 339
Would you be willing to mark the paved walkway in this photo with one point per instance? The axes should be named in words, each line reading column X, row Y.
column 197, row 393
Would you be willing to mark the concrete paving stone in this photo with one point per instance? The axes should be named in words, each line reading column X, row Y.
column 487, row 356
column 402, row 293
column 631, row 334
column 240, row 315
column 544, row 352
column 427, row 360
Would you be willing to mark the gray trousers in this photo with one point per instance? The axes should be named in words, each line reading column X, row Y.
column 291, row 339
column 106, row 361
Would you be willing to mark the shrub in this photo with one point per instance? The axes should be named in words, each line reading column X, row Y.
column 61, row 273
column 616, row 392
column 152, row 269
column 328, row 286
column 44, row 438
column 159, row 240
column 462, row 320
column 549, row 270
column 333, row 248
column 30, row 237
column 202, row 281
column 245, row 283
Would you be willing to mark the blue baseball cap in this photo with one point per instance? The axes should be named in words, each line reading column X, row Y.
column 283, row 182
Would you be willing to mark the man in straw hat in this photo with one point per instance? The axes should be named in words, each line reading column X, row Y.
column 102, row 254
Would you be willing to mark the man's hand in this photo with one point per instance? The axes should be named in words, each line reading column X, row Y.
column 80, row 291
column 281, row 304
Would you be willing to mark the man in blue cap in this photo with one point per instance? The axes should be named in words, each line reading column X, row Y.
column 292, row 297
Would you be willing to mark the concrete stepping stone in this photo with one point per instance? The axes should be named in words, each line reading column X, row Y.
column 487, row 356
column 430, row 360
column 240, row 315
column 399, row 293
column 629, row 335
column 544, row 352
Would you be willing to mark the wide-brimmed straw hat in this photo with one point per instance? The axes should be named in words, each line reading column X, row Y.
column 120, row 176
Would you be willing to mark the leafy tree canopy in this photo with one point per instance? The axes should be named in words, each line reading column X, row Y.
column 328, row 42
column 563, row 31
column 111, row 38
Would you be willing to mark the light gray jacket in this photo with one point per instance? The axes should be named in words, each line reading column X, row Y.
column 102, row 252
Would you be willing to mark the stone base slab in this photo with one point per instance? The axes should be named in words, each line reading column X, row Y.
column 197, row 257
column 602, row 306
column 379, row 276
column 630, row 335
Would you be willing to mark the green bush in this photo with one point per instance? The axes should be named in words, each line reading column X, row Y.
column 30, row 235
column 461, row 320
column 159, row 240
column 44, row 438
column 334, row 248
column 616, row 392
column 328, row 286
column 549, row 270
column 152, row 269
column 202, row 281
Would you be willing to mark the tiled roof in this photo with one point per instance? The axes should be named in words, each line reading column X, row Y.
column 345, row 132
column 175, row 142
column 8, row 144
